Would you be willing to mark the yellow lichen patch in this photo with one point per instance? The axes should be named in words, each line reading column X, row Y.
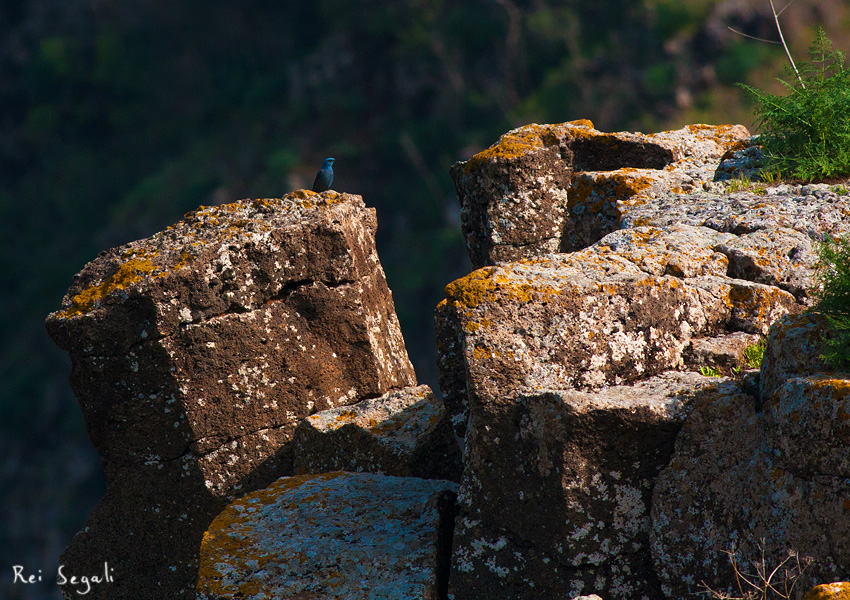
column 480, row 352
column 609, row 186
column 127, row 274
column 515, row 144
column 582, row 123
column 474, row 326
column 491, row 284
column 344, row 417
column 470, row 290
column 183, row 262
column 753, row 302
column 839, row 590
column 841, row 386
column 721, row 133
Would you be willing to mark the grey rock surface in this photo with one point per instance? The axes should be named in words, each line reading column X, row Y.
column 353, row 536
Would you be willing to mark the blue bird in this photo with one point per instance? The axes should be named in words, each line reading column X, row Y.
column 324, row 177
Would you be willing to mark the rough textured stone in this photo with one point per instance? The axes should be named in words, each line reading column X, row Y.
column 723, row 352
column 671, row 265
column 840, row 590
column 621, row 310
column 743, row 161
column 195, row 353
column 751, row 482
column 715, row 206
column 406, row 433
column 553, row 497
column 556, row 492
column 337, row 535
column 781, row 257
column 540, row 188
column 793, row 350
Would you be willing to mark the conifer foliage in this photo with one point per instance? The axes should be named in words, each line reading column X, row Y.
column 806, row 133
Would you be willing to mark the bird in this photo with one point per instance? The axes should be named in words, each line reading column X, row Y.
column 324, row 177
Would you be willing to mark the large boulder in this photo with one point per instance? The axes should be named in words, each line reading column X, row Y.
column 621, row 310
column 662, row 266
column 570, row 412
column 196, row 352
column 555, row 496
column 757, row 480
column 356, row 536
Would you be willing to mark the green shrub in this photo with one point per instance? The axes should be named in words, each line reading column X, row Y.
column 833, row 301
column 806, row 134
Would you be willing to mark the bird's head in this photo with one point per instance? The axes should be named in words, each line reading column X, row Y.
column 328, row 163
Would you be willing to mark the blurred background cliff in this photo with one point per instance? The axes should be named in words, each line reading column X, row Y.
column 118, row 116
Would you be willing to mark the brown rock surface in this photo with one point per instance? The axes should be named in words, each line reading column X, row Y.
column 555, row 496
column 618, row 311
column 196, row 352
column 667, row 269
column 405, row 433
column 793, row 350
column 561, row 451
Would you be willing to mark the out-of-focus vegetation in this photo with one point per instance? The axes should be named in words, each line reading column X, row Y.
column 117, row 117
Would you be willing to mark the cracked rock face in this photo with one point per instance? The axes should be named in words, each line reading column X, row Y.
column 569, row 417
column 551, row 188
column 196, row 352
column 758, row 482
column 608, row 260
column 555, row 497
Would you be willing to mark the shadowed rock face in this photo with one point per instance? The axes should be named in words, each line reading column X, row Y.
column 556, row 493
column 405, row 433
column 760, row 482
column 197, row 351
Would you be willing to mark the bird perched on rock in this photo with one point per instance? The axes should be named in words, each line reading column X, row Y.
column 324, row 177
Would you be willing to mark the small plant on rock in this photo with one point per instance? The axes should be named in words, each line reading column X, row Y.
column 710, row 371
column 739, row 184
column 833, row 301
column 754, row 354
column 806, row 134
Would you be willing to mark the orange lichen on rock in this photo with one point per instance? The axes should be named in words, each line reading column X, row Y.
column 126, row 274
column 839, row 590
column 516, row 143
column 492, row 283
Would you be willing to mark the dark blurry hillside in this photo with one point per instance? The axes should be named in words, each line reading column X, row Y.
column 117, row 117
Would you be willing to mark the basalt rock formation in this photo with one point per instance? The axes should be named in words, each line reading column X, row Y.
column 196, row 353
column 603, row 427
column 610, row 264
